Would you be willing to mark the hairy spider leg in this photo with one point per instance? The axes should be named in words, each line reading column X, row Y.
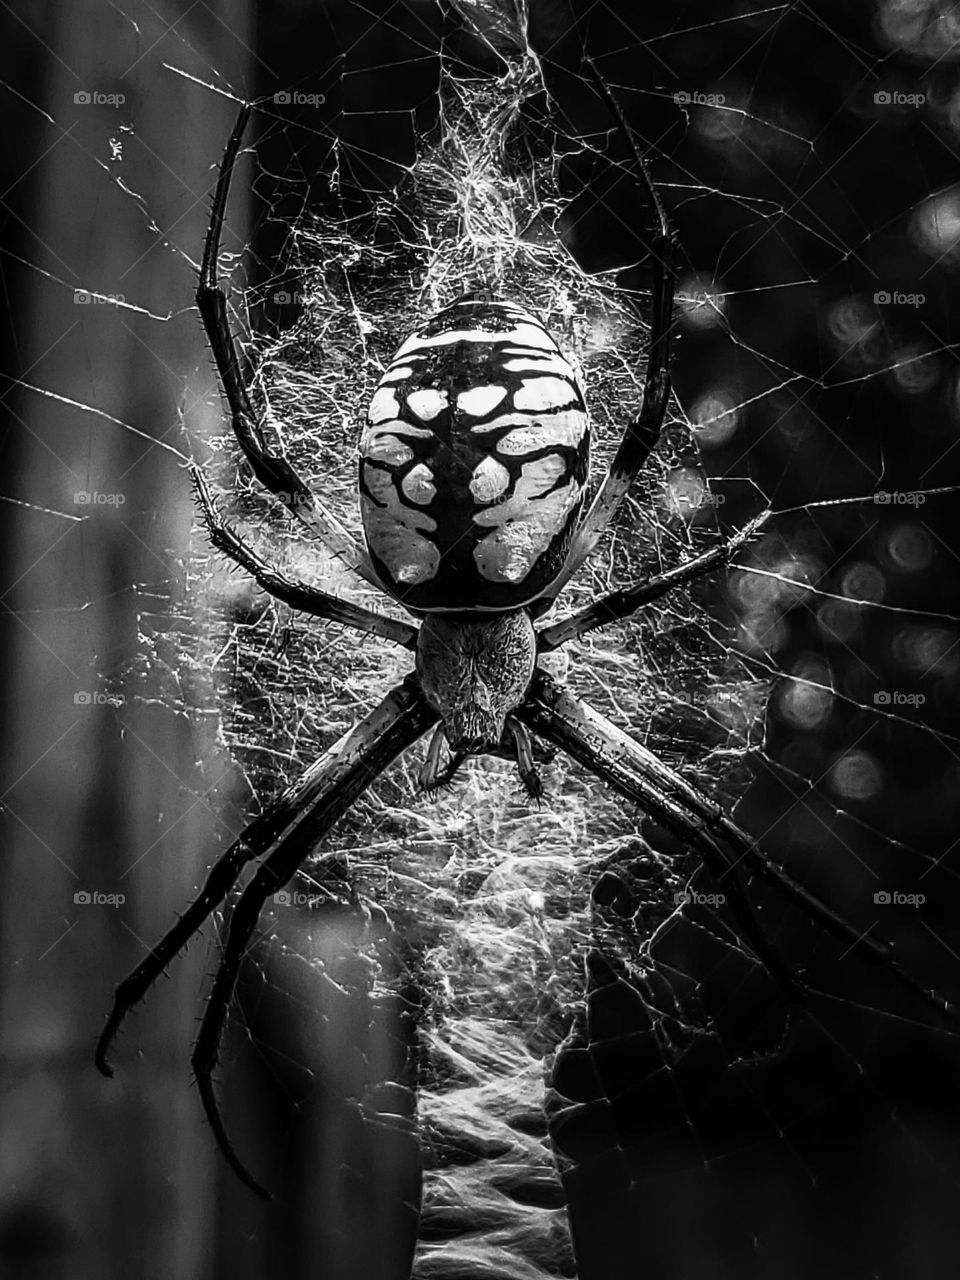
column 621, row 604
column 529, row 774
column 297, row 594
column 643, row 431
column 314, row 806
column 623, row 764
column 433, row 775
column 256, row 838
column 356, row 751
column 554, row 713
column 272, row 469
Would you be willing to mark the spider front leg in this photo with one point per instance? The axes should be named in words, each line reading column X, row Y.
column 299, row 595
column 271, row 469
column 516, row 745
column 621, row 604
column 433, row 775
column 643, row 431
column 523, row 745
column 284, row 836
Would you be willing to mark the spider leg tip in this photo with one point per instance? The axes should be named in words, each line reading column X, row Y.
column 102, row 1064
column 103, row 1046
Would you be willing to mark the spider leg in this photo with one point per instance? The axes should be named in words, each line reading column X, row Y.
column 337, row 780
column 433, row 775
column 256, row 838
column 643, row 431
column 271, row 468
column 311, row 804
column 597, row 743
column 623, row 603
column 630, row 768
column 529, row 776
column 299, row 595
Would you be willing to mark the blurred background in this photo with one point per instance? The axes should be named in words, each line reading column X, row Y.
column 807, row 154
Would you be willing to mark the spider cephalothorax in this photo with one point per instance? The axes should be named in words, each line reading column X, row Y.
column 474, row 673
column 472, row 478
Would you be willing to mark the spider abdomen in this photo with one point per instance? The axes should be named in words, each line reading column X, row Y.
column 474, row 461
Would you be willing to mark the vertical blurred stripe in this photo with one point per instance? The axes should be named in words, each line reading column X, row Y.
column 104, row 1178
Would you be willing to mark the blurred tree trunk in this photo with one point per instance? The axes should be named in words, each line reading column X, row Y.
column 104, row 1178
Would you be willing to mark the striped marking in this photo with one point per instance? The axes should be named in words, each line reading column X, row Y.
column 529, row 362
column 426, row 405
column 480, row 401
column 389, row 448
column 490, row 481
column 418, row 486
column 474, row 461
column 398, row 373
column 523, row 334
column 383, row 406
column 395, row 532
column 529, row 437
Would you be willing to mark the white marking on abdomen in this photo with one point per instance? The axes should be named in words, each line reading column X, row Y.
column 427, row 403
column 386, row 441
column 536, row 478
column 418, row 485
column 566, row 428
column 396, row 374
column 479, row 401
column 383, row 406
column 543, row 393
column 385, row 447
column 531, row 335
column 394, row 531
column 524, row 528
column 534, row 363
column 524, row 334
column 490, row 479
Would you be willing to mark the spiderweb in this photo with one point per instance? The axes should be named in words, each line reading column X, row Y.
column 814, row 685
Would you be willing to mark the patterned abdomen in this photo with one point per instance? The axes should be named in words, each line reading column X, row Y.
column 474, row 461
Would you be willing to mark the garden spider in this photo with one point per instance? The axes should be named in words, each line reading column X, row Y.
column 472, row 478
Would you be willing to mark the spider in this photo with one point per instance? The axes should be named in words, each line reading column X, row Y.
column 473, row 474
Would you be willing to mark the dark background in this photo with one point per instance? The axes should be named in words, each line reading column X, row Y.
column 802, row 199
